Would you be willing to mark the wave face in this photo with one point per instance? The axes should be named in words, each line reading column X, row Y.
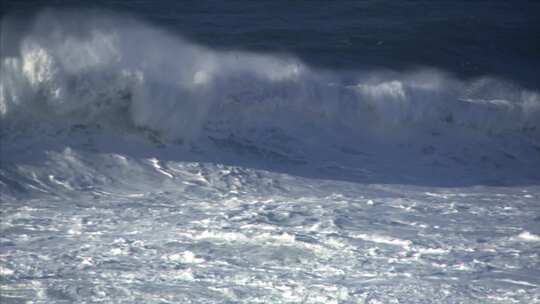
column 69, row 68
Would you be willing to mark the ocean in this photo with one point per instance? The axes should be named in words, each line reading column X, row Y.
column 270, row 152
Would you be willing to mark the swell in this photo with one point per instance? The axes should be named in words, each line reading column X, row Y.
column 71, row 68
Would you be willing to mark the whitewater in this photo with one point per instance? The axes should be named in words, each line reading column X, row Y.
column 138, row 166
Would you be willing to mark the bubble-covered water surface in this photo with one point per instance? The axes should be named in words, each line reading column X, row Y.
column 225, row 234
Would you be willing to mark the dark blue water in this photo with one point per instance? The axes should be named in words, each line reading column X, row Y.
column 466, row 38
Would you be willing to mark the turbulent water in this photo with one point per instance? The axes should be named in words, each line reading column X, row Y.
column 140, row 166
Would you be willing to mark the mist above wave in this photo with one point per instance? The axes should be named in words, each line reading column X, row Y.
column 93, row 68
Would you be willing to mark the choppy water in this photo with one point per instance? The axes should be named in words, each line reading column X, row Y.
column 191, row 232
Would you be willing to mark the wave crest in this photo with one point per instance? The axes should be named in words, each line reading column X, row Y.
column 76, row 69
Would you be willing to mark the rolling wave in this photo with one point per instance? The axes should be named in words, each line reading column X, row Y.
column 70, row 69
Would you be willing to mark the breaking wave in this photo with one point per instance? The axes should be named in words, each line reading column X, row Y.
column 71, row 69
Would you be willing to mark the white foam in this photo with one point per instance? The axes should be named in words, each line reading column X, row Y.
column 55, row 180
column 118, row 251
column 4, row 271
column 518, row 282
column 187, row 257
column 444, row 196
column 384, row 240
column 181, row 274
column 432, row 251
column 528, row 237
column 155, row 163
